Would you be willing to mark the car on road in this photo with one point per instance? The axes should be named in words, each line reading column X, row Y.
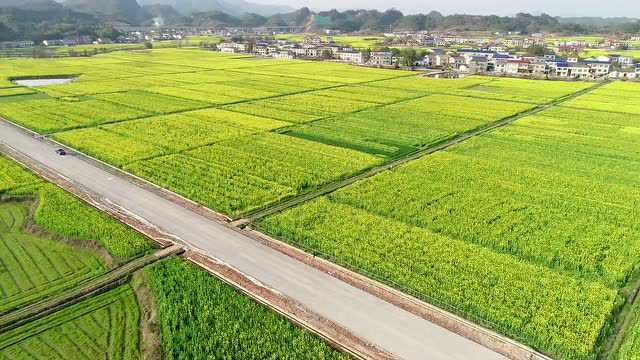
column 61, row 152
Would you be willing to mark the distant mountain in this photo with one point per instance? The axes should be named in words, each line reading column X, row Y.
column 117, row 10
column 231, row 7
column 159, row 15
column 37, row 23
column 596, row 21
column 36, row 5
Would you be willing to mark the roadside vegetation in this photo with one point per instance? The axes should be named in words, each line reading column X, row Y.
column 202, row 318
column 57, row 212
column 630, row 346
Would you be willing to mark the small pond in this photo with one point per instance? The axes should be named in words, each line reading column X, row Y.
column 44, row 82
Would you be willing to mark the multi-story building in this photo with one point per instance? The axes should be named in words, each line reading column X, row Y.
column 16, row 44
column 598, row 68
column 350, row 56
column 381, row 58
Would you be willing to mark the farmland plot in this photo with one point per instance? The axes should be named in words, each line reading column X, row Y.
column 182, row 131
column 407, row 125
column 245, row 174
column 327, row 72
column 317, row 105
column 175, row 132
column 34, row 267
column 265, row 109
column 51, row 115
column 549, row 202
column 370, row 94
column 529, row 91
column 103, row 327
column 111, row 147
column 429, row 85
column 610, row 98
column 201, row 316
column 153, row 103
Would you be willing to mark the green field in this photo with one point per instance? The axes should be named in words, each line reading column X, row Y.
column 34, row 267
column 314, row 123
column 56, row 212
column 630, row 346
column 44, row 250
column 103, row 327
column 531, row 228
column 202, row 318
column 223, row 323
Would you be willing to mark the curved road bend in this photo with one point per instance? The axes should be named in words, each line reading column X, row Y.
column 366, row 316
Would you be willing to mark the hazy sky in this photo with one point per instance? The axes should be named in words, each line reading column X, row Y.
column 630, row 8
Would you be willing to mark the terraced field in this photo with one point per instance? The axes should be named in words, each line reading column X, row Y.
column 34, row 263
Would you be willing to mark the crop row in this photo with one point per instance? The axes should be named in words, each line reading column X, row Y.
column 57, row 213
column 398, row 128
column 241, row 175
column 530, row 229
column 103, row 327
column 49, row 115
column 202, row 318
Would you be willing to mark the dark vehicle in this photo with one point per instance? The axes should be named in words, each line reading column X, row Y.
column 61, row 152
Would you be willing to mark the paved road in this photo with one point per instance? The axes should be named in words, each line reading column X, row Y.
column 368, row 317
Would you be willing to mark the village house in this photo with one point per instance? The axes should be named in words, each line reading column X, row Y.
column 284, row 54
column 437, row 58
column 381, row 58
column 599, row 68
column 350, row 56
column 16, row 44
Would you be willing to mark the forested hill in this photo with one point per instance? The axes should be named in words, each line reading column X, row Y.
column 46, row 19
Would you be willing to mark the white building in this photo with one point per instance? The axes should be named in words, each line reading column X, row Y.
column 599, row 68
column 287, row 55
column 350, row 56
column 625, row 61
column 381, row 58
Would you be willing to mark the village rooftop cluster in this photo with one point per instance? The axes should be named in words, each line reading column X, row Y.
column 496, row 56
